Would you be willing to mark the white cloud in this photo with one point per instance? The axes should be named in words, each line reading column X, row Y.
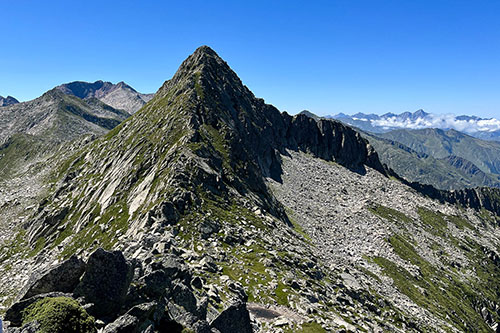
column 446, row 121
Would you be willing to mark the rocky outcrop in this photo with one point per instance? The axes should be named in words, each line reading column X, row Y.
column 159, row 297
column 332, row 141
column 478, row 198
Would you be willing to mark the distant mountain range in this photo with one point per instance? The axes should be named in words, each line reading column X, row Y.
column 32, row 131
column 483, row 128
column 9, row 100
column 58, row 117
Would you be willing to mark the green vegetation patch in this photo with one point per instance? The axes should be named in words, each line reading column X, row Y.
column 59, row 315
column 14, row 246
column 103, row 233
column 460, row 222
column 197, row 85
column 251, row 272
column 19, row 149
column 435, row 222
column 296, row 226
column 311, row 327
column 39, row 245
column 390, row 214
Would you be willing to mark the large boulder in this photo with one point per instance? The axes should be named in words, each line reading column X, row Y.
column 156, row 283
column 184, row 297
column 135, row 320
column 233, row 319
column 105, row 282
column 63, row 277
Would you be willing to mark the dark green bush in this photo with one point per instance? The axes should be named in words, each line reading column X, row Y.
column 59, row 314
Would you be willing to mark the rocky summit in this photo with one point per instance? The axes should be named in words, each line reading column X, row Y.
column 209, row 210
column 119, row 96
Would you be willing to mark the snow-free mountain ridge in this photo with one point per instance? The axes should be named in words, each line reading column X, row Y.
column 120, row 95
column 484, row 128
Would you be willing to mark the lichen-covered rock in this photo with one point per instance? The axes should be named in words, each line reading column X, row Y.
column 58, row 315
column 14, row 315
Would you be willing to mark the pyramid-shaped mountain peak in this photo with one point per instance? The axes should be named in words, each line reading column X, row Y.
column 203, row 69
column 202, row 57
column 205, row 55
column 204, row 132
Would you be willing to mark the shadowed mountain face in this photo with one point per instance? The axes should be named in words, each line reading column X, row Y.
column 119, row 96
column 217, row 204
column 9, row 100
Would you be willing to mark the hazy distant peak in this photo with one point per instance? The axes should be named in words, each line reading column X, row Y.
column 9, row 100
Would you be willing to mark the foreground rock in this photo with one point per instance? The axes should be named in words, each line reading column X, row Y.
column 105, row 282
column 233, row 319
column 159, row 298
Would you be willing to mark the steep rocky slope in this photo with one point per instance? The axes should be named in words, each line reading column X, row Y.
column 120, row 96
column 435, row 262
column 35, row 136
column 226, row 215
column 9, row 100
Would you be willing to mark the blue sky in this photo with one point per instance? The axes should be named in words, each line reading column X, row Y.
column 325, row 56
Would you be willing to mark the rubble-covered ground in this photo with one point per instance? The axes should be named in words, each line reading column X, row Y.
column 421, row 255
